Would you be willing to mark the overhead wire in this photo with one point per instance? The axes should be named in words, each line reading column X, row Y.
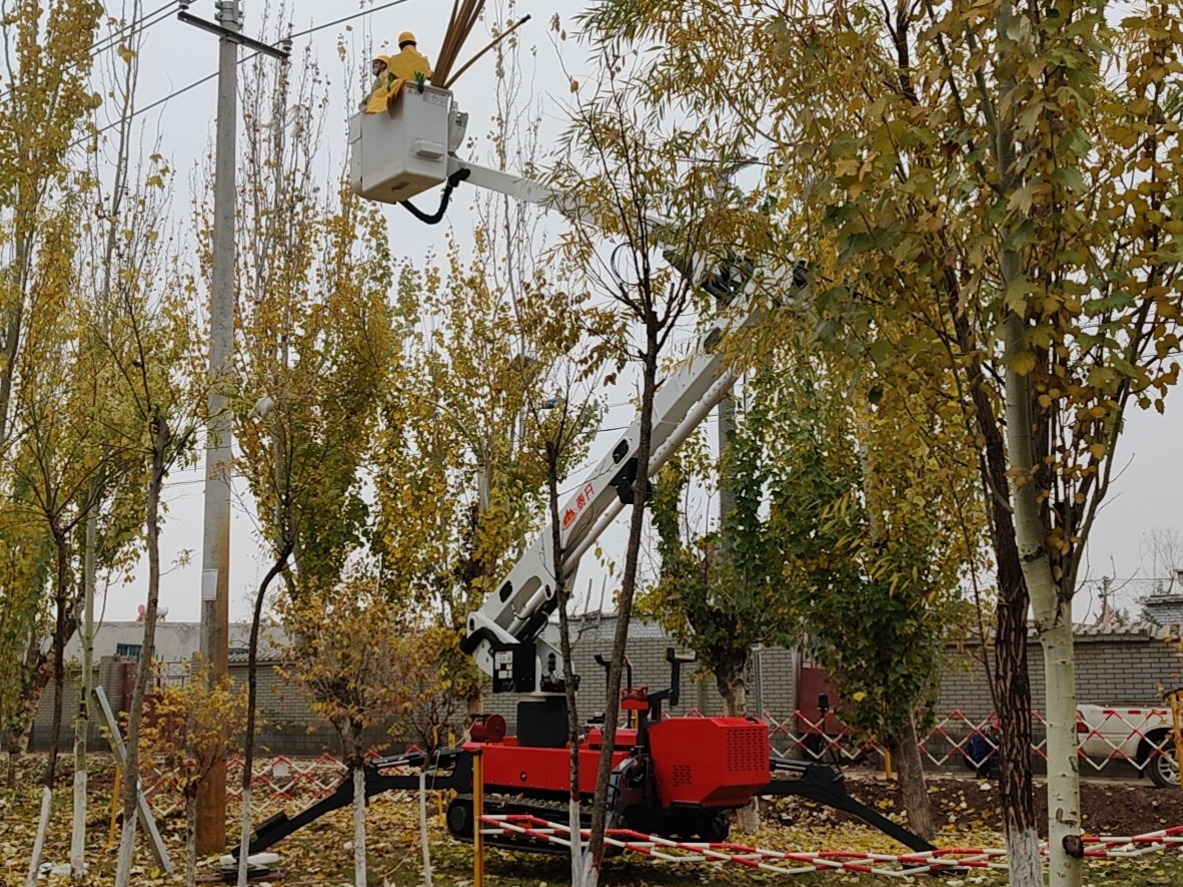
column 246, row 58
column 112, row 40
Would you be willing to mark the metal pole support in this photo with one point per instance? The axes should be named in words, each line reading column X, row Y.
column 423, row 827
column 1175, row 698
column 478, row 812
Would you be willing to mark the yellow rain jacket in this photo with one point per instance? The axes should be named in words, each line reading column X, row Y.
column 399, row 69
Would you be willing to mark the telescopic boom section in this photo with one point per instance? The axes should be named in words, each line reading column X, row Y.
column 504, row 634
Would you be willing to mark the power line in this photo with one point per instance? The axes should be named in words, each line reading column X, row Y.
column 112, row 40
column 347, row 18
column 243, row 60
column 142, row 23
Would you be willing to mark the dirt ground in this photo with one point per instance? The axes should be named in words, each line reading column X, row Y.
column 1109, row 807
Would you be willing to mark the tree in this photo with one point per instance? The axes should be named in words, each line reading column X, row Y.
column 139, row 335
column 642, row 189
column 874, row 551
column 1161, row 552
column 719, row 603
column 363, row 661
column 194, row 726
column 24, row 573
column 315, row 353
column 59, row 407
column 564, row 421
column 1004, row 177
column 460, row 469
column 143, row 326
column 719, row 592
column 41, row 109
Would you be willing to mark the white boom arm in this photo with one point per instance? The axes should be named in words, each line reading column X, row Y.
column 504, row 634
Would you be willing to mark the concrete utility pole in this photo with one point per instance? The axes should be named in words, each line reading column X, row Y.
column 215, row 549
column 215, row 554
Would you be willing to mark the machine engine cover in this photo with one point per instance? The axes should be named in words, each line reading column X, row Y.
column 394, row 156
column 709, row 762
column 538, row 772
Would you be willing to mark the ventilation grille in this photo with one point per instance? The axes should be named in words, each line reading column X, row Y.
column 682, row 776
column 746, row 750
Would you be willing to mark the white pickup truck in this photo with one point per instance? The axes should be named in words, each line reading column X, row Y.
column 1140, row 734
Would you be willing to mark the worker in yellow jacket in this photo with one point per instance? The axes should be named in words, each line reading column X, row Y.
column 393, row 71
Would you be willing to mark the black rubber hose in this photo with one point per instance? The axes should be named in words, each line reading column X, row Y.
column 453, row 180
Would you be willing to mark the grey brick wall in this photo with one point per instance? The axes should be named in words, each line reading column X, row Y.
column 1165, row 609
column 1114, row 666
column 288, row 725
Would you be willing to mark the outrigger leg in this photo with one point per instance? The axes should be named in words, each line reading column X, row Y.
column 820, row 783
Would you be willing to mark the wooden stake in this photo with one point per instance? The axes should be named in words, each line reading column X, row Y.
column 441, row 59
column 458, row 31
column 114, row 808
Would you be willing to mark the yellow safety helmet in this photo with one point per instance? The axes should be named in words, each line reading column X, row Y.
column 407, row 37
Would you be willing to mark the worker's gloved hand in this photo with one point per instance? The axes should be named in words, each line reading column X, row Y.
column 419, row 80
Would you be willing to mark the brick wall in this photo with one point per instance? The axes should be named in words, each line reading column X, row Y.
column 1113, row 666
column 288, row 725
column 1164, row 609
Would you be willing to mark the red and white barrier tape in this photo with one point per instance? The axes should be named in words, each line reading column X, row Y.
column 787, row 863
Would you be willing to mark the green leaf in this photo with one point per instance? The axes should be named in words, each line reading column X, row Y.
column 1070, row 177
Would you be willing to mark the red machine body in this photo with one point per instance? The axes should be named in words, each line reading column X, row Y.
column 709, row 762
column 511, row 767
column 712, row 763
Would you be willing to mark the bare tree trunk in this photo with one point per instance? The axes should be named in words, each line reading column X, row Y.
column 623, row 611
column 62, row 545
column 248, row 755
column 59, row 654
column 359, row 821
column 1022, row 841
column 574, row 815
column 244, row 833
column 905, row 751
column 1012, row 705
column 191, row 841
column 161, row 440
column 1053, row 614
column 85, row 686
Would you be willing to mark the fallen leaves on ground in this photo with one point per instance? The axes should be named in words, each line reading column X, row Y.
column 322, row 854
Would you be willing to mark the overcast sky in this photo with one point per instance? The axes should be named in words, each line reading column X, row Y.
column 1147, row 492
